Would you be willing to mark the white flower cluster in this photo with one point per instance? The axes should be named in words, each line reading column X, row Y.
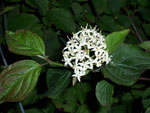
column 85, row 50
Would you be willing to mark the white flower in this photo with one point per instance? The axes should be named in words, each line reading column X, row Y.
column 85, row 50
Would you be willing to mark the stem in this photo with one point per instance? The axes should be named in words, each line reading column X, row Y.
column 134, row 27
column 48, row 61
column 56, row 64
column 44, row 64
column 142, row 78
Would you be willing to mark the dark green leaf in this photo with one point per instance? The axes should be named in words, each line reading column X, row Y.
column 115, row 5
column 32, row 98
column 104, row 92
column 147, row 29
column 18, row 80
column 146, row 98
column 137, row 93
column 77, row 10
column 22, row 21
column 84, row 89
column 73, row 96
column 41, row 5
column 144, row 3
column 81, row 0
column 99, row 5
column 145, row 45
column 129, row 62
column 132, row 39
column 127, row 100
column 107, row 23
column 13, row 0
column 83, row 109
column 65, row 4
column 123, row 20
column 114, row 40
column 57, row 81
column 65, row 23
column 118, row 109
column 145, row 13
column 34, row 110
column 25, row 43
column 52, row 45
column 108, row 6
column 68, row 101
column 48, row 108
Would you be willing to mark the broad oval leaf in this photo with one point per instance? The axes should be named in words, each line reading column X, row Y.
column 146, row 98
column 22, row 21
column 41, row 5
column 104, row 92
column 129, row 62
column 57, row 81
column 25, row 43
column 73, row 96
column 114, row 40
column 18, row 80
column 148, row 110
column 62, row 19
column 147, row 29
column 145, row 45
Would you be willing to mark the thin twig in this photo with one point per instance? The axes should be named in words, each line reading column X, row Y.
column 134, row 27
column 44, row 64
column 142, row 78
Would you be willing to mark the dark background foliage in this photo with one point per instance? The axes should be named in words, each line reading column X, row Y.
column 54, row 20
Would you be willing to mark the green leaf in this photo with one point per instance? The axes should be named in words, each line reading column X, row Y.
column 68, row 101
column 104, row 92
column 83, row 109
column 145, row 45
column 77, row 10
column 65, row 23
column 25, row 43
column 144, row 11
column 148, row 110
column 80, row 0
column 108, row 6
column 33, row 110
column 129, row 62
column 18, row 80
column 32, row 98
column 73, row 96
column 123, row 19
column 6, row 10
column 48, row 107
column 147, row 29
column 13, row 0
column 57, row 81
column 131, row 39
column 22, row 21
column 41, row 5
column 118, row 109
column 84, row 88
column 99, row 5
column 144, row 3
column 146, row 98
column 115, row 5
column 137, row 93
column 17, row 21
column 127, row 100
column 114, row 40
column 52, row 45
column 107, row 23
